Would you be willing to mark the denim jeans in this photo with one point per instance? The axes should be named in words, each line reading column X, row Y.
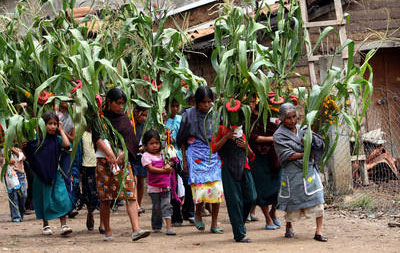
column 16, row 199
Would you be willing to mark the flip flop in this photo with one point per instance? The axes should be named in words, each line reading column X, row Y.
column 270, row 227
column 108, row 238
column 320, row 238
column 244, row 240
column 217, row 230
column 140, row 234
column 276, row 222
column 199, row 225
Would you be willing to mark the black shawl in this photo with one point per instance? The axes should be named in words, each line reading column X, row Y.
column 45, row 160
column 192, row 125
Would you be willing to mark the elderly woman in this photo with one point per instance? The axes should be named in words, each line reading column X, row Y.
column 299, row 196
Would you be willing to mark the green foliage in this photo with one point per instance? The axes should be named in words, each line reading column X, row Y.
column 55, row 54
column 364, row 202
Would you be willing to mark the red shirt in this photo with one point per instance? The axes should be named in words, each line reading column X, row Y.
column 221, row 133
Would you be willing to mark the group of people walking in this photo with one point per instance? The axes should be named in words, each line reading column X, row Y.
column 265, row 170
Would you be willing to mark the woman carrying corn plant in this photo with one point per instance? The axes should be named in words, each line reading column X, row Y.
column 110, row 166
column 298, row 196
column 204, row 169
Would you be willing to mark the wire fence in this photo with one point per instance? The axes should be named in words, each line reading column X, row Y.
column 375, row 172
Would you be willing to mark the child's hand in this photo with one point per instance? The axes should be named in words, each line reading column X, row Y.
column 167, row 168
column 60, row 129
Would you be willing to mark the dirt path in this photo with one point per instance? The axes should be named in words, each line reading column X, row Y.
column 346, row 234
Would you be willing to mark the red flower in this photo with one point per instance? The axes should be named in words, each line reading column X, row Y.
column 44, row 96
column 2, row 135
column 183, row 83
column 146, row 78
column 234, row 108
column 79, row 86
column 279, row 102
column 159, row 86
column 198, row 161
column 99, row 101
column 271, row 94
column 294, row 99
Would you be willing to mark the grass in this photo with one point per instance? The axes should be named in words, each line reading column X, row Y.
column 364, row 202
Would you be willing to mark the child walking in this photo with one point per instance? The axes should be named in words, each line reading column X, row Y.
column 50, row 196
column 89, row 190
column 159, row 182
column 16, row 184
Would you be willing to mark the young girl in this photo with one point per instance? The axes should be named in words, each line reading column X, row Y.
column 50, row 196
column 89, row 191
column 16, row 184
column 204, row 170
column 172, row 127
column 159, row 182
column 140, row 117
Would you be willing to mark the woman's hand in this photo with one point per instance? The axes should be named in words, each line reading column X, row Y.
column 121, row 158
column 241, row 143
column 111, row 159
column 229, row 135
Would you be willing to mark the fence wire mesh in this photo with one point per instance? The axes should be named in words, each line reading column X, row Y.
column 376, row 169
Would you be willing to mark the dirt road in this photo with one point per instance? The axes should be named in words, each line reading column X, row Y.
column 346, row 234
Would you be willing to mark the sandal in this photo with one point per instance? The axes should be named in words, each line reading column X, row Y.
column 270, row 227
column 47, row 230
column 320, row 238
column 199, row 225
column 102, row 231
column 65, row 230
column 140, row 234
column 289, row 234
column 275, row 221
column 216, row 230
column 108, row 238
column 244, row 240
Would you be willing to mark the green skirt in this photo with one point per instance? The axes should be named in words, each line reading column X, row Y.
column 267, row 181
column 50, row 201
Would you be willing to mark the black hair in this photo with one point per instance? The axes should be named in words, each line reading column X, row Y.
column 167, row 102
column 140, row 108
column 47, row 116
column 114, row 94
column 203, row 92
column 150, row 134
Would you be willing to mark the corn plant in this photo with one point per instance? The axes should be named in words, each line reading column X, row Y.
column 246, row 67
column 57, row 59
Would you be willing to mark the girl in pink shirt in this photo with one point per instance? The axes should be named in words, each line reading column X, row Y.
column 159, row 182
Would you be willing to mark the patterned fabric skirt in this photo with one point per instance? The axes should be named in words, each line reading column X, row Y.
column 108, row 185
column 310, row 212
column 210, row 192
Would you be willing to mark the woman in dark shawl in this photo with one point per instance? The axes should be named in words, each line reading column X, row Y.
column 299, row 196
column 265, row 167
column 50, row 194
column 107, row 181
